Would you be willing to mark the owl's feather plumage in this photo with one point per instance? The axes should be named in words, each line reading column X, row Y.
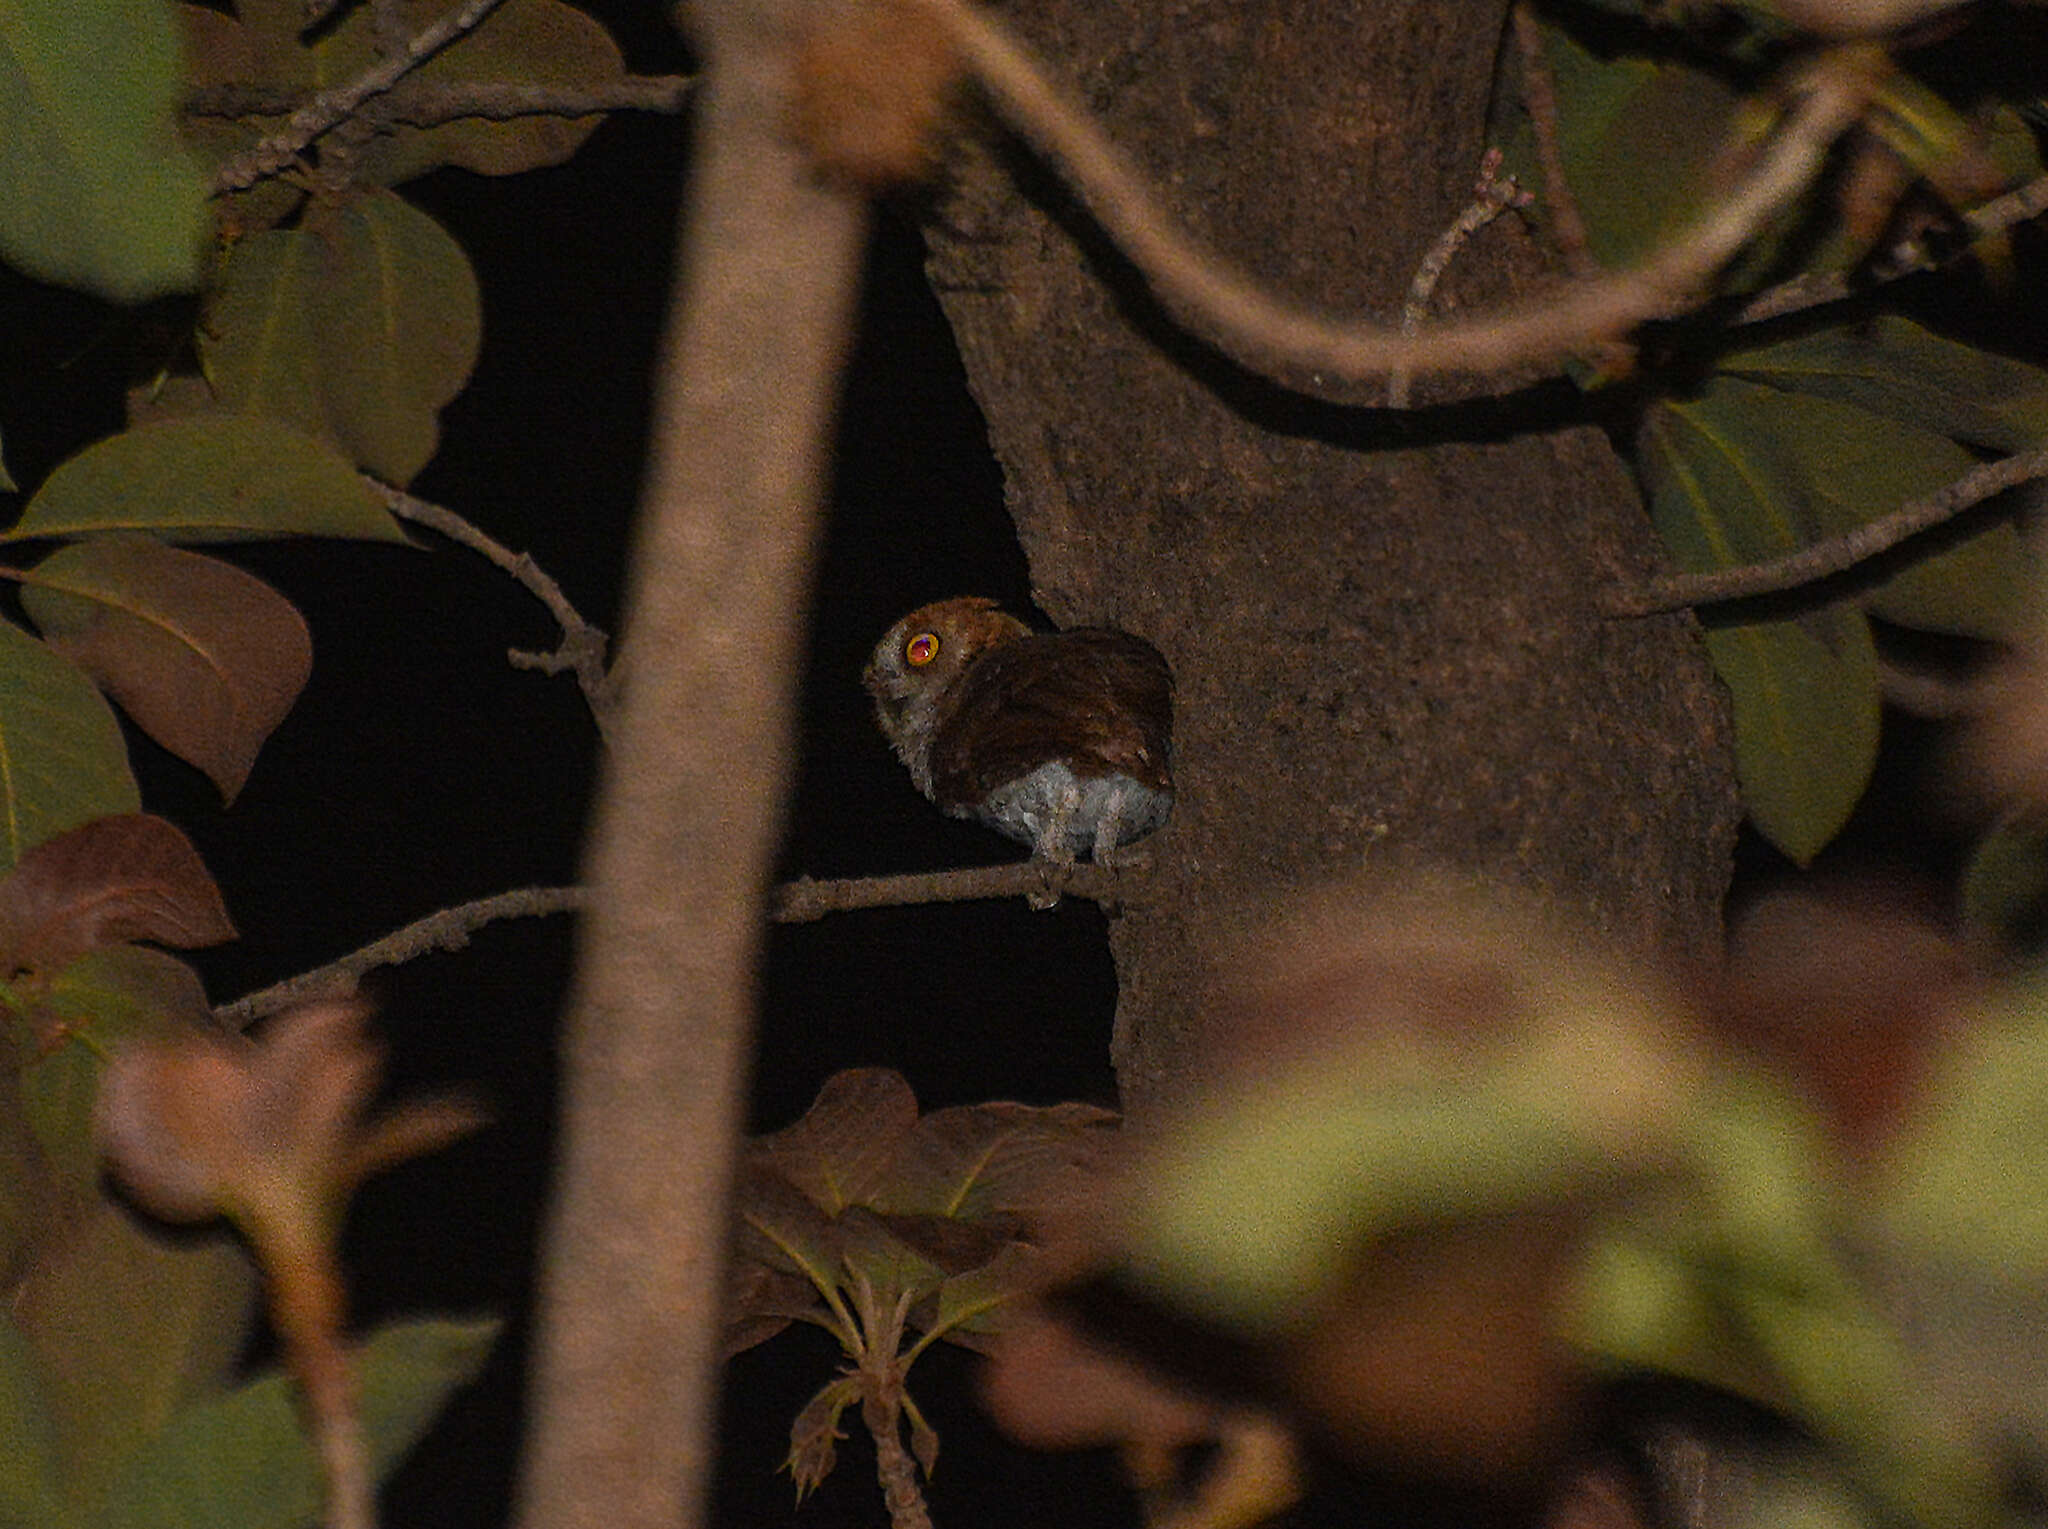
column 1058, row 739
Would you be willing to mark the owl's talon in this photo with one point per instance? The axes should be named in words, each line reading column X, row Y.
column 1052, row 881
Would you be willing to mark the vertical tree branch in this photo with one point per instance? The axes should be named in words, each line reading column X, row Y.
column 656, row 1048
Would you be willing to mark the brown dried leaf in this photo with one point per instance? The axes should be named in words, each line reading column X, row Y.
column 969, row 1308
column 816, row 1431
column 760, row 1302
column 842, row 1150
column 116, row 879
column 998, row 1159
column 206, row 658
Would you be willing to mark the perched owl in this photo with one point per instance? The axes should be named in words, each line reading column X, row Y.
column 1058, row 739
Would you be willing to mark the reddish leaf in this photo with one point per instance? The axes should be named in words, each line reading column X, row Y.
column 760, row 1302
column 117, row 879
column 970, row 1308
column 206, row 658
column 993, row 1159
column 842, row 1149
column 924, row 1442
column 812, row 1437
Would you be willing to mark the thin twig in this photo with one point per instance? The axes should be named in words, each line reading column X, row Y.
column 583, row 646
column 1816, row 289
column 330, row 107
column 1492, row 195
column 448, row 929
column 1327, row 357
column 1825, row 559
column 1539, row 99
column 431, row 103
column 804, row 900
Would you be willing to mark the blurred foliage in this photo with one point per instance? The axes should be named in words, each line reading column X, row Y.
column 1515, row 1146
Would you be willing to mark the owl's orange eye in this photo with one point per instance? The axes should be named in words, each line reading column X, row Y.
column 921, row 649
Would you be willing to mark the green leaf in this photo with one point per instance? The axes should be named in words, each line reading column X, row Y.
column 2003, row 896
column 401, row 322
column 890, row 1265
column 213, row 477
column 1725, row 491
column 1845, row 466
column 1893, row 367
column 129, row 1325
column 100, row 193
column 970, row 1305
column 30, row 1493
column 1635, row 136
column 243, row 1461
column 1806, row 702
column 62, row 759
column 358, row 327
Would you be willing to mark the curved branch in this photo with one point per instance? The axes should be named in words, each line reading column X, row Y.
column 1841, row 553
column 583, row 645
column 449, row 929
column 1329, row 357
column 332, row 107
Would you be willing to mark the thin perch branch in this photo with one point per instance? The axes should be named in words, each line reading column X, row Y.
column 449, row 929
column 804, row 900
column 431, row 103
column 332, row 107
column 583, row 646
column 1327, row 357
column 1817, row 288
column 1825, row 559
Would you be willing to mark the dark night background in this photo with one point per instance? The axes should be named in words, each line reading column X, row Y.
column 420, row 770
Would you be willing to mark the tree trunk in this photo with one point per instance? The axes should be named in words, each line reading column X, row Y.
column 1380, row 623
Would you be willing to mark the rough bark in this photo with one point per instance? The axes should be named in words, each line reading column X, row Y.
column 1381, row 625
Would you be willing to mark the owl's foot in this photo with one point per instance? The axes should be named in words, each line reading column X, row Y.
column 1108, row 829
column 1051, row 854
column 1052, row 881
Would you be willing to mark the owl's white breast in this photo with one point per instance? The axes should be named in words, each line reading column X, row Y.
column 1022, row 808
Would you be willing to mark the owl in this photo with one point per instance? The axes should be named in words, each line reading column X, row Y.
column 1058, row 739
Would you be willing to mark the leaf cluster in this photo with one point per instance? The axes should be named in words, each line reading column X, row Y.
column 1752, row 449
column 892, row 1231
column 119, row 1397
column 1813, row 1180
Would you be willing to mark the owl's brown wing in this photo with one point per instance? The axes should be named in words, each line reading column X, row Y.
column 1101, row 700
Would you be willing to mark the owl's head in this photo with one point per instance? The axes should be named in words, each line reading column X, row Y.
column 919, row 660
